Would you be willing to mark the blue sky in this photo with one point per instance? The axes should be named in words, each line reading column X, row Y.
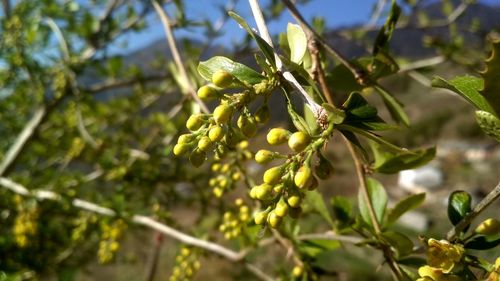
column 337, row 13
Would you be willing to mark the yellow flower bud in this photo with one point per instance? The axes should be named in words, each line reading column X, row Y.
column 185, row 138
column 273, row 219
column 207, row 92
column 222, row 79
column 297, row 271
column 303, row 177
column 216, row 133
column 263, row 191
column 488, row 227
column 273, row 175
column 180, row 149
column 294, row 201
column 194, row 122
column 277, row 136
column 222, row 113
column 264, row 156
column 281, row 209
column 260, row 217
column 204, row 144
column 299, row 141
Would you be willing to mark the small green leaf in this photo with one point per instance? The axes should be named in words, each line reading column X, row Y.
column 491, row 75
column 459, row 205
column 378, row 198
column 409, row 203
column 314, row 247
column 315, row 200
column 489, row 123
column 400, row 242
column 311, row 121
column 482, row 243
column 298, row 121
column 342, row 209
column 389, row 163
column 385, row 33
column 263, row 45
column 297, row 41
column 358, row 107
column 467, row 87
column 373, row 137
column 335, row 115
column 394, row 106
column 240, row 71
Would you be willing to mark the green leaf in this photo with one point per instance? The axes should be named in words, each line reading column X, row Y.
column 342, row 209
column 261, row 43
column 335, row 115
column 362, row 115
column 298, row 121
column 459, row 205
column 389, row 163
column 394, row 106
column 378, row 198
column 400, row 242
column 240, row 71
column 491, row 76
column 467, row 87
column 315, row 200
column 297, row 41
column 489, row 123
column 413, row 261
column 409, row 203
column 385, row 33
column 311, row 121
column 314, row 247
column 373, row 137
column 482, row 243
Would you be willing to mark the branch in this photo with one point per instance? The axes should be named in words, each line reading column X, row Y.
column 175, row 54
column 331, row 236
column 227, row 253
column 376, row 13
column 478, row 209
column 113, row 84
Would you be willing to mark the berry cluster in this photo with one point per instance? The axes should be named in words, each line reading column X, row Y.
column 284, row 185
column 228, row 173
column 109, row 244
column 215, row 132
column 186, row 265
column 235, row 221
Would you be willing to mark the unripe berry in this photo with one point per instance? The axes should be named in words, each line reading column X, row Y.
column 323, row 168
column 264, row 156
column 185, row 138
column 262, row 115
column 222, row 79
column 273, row 219
column 273, row 175
column 277, row 136
column 314, row 184
column 303, row 177
column 263, row 191
column 294, row 201
column 247, row 126
column 197, row 157
column 180, row 149
column 194, row 122
column 281, row 209
column 488, row 227
column 297, row 271
column 207, row 92
column 299, row 141
column 222, row 113
column 216, row 133
column 204, row 143
column 260, row 217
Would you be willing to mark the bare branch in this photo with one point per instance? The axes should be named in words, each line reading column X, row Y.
column 176, row 55
column 113, row 84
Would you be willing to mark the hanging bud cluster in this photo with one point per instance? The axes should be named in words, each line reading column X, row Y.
column 227, row 173
column 235, row 220
column 25, row 225
column 231, row 121
column 283, row 187
column 109, row 245
column 186, row 264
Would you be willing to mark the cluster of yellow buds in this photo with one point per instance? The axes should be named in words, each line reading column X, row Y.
column 186, row 264
column 109, row 244
column 284, row 185
column 228, row 173
column 234, row 222
column 81, row 226
column 215, row 132
column 494, row 275
column 25, row 224
column 443, row 258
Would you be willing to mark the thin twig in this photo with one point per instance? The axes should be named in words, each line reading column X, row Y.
column 478, row 209
column 176, row 55
column 113, row 83
column 318, row 72
column 288, row 246
column 331, row 236
column 377, row 13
